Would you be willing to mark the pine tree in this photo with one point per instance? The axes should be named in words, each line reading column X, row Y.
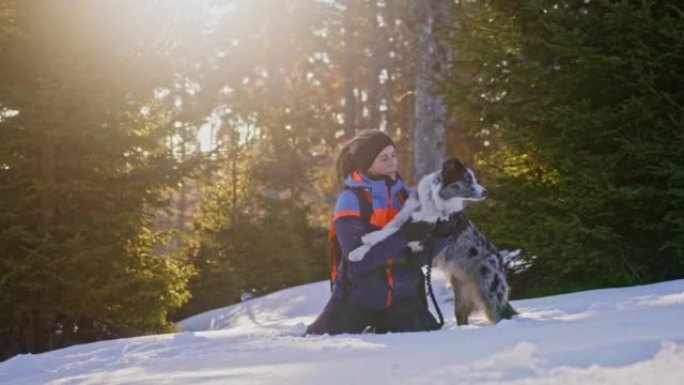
column 253, row 234
column 578, row 106
column 84, row 166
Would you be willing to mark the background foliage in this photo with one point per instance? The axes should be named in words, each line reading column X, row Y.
column 82, row 173
column 581, row 105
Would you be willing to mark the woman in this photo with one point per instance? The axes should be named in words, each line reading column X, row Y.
column 384, row 292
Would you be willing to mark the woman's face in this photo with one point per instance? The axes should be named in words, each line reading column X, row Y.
column 385, row 164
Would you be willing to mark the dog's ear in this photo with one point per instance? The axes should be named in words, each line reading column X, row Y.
column 453, row 164
column 452, row 169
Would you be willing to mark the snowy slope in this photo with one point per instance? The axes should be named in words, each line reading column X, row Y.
column 629, row 335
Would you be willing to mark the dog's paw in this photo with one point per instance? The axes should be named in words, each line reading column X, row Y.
column 417, row 216
column 358, row 253
column 368, row 238
column 415, row 246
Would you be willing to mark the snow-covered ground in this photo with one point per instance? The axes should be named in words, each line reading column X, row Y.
column 631, row 335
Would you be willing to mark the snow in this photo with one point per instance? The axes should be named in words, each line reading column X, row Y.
column 632, row 335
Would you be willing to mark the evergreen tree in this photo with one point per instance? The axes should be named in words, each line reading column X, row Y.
column 579, row 109
column 253, row 234
column 84, row 165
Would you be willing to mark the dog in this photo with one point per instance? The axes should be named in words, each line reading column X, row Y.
column 473, row 266
column 475, row 270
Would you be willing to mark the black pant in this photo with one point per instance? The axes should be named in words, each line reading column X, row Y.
column 404, row 316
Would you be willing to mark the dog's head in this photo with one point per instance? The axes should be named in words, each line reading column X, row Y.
column 458, row 182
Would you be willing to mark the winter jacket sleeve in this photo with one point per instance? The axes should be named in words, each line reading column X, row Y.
column 350, row 228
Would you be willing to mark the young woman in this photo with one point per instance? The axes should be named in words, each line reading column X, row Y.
column 384, row 292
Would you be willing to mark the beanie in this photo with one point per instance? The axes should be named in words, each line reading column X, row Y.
column 367, row 150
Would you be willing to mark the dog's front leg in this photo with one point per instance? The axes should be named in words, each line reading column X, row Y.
column 369, row 240
column 376, row 236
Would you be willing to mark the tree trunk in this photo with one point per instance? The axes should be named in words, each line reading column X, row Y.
column 47, row 171
column 389, row 37
column 430, row 111
column 348, row 70
column 182, row 204
column 374, row 86
column 235, row 137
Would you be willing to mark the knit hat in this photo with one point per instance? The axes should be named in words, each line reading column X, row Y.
column 367, row 150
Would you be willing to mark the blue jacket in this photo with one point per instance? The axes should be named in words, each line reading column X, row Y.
column 390, row 272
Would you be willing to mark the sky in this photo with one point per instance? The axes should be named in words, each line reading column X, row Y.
column 632, row 335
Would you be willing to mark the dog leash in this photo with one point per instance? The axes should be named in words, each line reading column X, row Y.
column 428, row 277
column 456, row 232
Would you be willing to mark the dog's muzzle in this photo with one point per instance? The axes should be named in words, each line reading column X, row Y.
column 479, row 193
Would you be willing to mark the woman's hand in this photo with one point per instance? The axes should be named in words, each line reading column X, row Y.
column 416, row 231
column 446, row 227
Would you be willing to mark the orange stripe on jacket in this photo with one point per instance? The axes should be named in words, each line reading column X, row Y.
column 381, row 217
column 347, row 213
column 356, row 176
column 390, row 281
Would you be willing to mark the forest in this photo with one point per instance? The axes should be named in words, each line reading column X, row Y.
column 163, row 158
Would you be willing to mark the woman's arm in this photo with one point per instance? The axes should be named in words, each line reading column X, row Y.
column 349, row 231
column 350, row 228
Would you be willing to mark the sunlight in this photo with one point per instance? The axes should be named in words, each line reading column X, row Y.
column 7, row 113
column 207, row 133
